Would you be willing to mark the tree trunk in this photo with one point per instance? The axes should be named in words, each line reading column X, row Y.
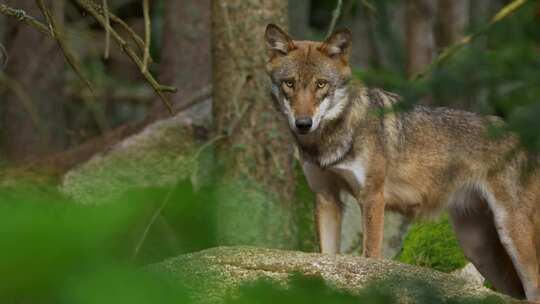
column 299, row 19
column 185, row 58
column 453, row 18
column 256, row 149
column 33, row 126
column 366, row 50
column 420, row 38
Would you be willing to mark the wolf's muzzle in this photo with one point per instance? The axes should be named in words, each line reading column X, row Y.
column 303, row 124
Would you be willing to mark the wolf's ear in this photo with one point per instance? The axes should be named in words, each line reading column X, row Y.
column 338, row 44
column 277, row 41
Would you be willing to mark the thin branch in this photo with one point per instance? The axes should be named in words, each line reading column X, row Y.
column 158, row 88
column 4, row 58
column 453, row 49
column 24, row 18
column 47, row 16
column 335, row 17
column 107, row 29
column 25, row 99
column 62, row 43
column 147, row 35
column 153, row 219
column 369, row 6
column 133, row 35
column 93, row 9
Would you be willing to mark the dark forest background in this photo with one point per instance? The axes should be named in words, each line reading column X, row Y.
column 46, row 109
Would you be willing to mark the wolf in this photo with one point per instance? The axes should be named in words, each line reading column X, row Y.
column 352, row 139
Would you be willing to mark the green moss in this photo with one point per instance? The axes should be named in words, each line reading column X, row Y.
column 433, row 245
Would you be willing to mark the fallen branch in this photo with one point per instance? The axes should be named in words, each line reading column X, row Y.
column 63, row 161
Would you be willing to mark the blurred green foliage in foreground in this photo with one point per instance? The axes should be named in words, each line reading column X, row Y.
column 55, row 251
column 313, row 290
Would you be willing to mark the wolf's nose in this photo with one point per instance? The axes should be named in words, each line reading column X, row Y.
column 303, row 124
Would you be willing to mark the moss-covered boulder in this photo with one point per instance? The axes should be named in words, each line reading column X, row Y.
column 432, row 244
column 218, row 274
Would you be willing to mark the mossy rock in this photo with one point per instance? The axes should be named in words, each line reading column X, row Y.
column 217, row 274
column 432, row 244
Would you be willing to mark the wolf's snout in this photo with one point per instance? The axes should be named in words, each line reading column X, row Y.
column 303, row 124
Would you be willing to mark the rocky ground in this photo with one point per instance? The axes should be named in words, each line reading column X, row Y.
column 224, row 269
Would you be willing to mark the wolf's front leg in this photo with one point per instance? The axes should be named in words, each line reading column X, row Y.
column 328, row 213
column 372, row 204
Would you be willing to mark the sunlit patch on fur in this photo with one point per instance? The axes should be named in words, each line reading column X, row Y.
column 331, row 107
column 288, row 112
column 354, row 172
column 340, row 98
column 275, row 91
column 396, row 192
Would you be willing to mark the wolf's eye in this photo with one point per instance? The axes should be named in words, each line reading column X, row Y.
column 289, row 83
column 321, row 84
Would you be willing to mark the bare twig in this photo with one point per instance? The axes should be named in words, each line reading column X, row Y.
column 62, row 43
column 133, row 35
column 147, row 35
column 47, row 16
column 335, row 17
column 92, row 8
column 107, row 29
column 158, row 88
column 24, row 18
column 153, row 219
column 453, row 49
column 4, row 58
column 25, row 100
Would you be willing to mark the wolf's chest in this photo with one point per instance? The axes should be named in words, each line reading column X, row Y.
column 350, row 175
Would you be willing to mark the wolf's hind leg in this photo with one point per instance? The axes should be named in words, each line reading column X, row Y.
column 516, row 232
column 328, row 216
column 479, row 240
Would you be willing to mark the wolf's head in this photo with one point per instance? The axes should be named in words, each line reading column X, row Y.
column 309, row 79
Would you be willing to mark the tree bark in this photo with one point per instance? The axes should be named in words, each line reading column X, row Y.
column 453, row 18
column 185, row 59
column 366, row 52
column 299, row 19
column 256, row 148
column 420, row 39
column 36, row 66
